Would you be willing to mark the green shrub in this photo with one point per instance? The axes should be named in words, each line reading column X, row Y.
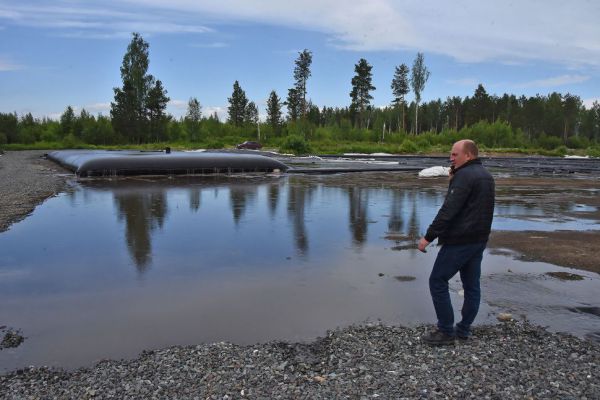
column 549, row 142
column 593, row 151
column 71, row 142
column 215, row 144
column 578, row 142
column 295, row 144
column 560, row 151
column 408, row 146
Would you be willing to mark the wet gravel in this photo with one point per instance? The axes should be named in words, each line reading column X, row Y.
column 11, row 338
column 504, row 361
column 26, row 180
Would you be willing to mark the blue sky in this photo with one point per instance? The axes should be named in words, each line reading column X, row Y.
column 68, row 52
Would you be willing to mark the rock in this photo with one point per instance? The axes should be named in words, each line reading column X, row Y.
column 504, row 317
column 12, row 338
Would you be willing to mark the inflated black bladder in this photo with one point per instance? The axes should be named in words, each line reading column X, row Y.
column 87, row 163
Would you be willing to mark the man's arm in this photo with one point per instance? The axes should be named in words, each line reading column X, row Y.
column 455, row 200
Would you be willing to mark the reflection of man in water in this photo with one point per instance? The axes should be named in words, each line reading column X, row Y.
column 462, row 227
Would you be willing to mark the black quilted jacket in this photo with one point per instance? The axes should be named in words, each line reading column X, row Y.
column 466, row 215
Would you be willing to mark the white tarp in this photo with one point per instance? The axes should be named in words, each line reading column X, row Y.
column 434, row 171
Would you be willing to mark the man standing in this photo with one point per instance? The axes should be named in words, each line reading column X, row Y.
column 462, row 226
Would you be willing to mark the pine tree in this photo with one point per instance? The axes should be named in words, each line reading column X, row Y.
column 301, row 75
column 293, row 104
column 194, row 110
column 480, row 105
column 251, row 114
column 420, row 75
column 192, row 119
column 274, row 111
column 400, row 88
column 237, row 105
column 67, row 120
column 130, row 114
column 361, row 88
column 156, row 104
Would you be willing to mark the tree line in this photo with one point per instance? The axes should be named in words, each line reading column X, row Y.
column 138, row 114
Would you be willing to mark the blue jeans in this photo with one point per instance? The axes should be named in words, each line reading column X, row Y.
column 466, row 259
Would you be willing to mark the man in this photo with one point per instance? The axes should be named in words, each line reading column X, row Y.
column 462, row 226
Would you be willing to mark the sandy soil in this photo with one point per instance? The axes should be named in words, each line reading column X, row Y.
column 575, row 249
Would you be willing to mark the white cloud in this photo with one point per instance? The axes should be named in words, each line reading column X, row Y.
column 106, row 21
column 556, row 31
column 554, row 81
column 98, row 108
column 54, row 116
column 214, row 45
column 210, row 110
column 469, row 30
column 179, row 104
column 7, row 65
column 178, row 108
column 589, row 103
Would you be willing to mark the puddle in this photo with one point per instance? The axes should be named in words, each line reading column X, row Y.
column 116, row 267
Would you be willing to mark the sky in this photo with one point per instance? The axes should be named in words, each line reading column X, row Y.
column 68, row 52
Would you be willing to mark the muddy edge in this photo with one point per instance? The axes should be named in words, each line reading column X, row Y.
column 27, row 179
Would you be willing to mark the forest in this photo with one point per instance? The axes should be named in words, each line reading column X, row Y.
column 553, row 124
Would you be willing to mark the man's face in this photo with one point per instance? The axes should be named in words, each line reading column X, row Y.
column 458, row 156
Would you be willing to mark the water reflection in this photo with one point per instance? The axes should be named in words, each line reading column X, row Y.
column 142, row 213
column 143, row 207
column 358, row 214
column 396, row 220
column 195, row 196
column 243, row 259
column 239, row 197
column 298, row 199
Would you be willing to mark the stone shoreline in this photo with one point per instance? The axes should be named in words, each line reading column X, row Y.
column 504, row 361
column 26, row 180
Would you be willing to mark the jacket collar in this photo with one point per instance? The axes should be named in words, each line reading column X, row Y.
column 470, row 162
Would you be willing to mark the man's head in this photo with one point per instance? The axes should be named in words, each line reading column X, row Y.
column 463, row 151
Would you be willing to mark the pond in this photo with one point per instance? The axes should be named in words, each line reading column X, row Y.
column 113, row 267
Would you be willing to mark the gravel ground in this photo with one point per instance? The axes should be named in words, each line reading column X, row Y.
column 26, row 180
column 505, row 361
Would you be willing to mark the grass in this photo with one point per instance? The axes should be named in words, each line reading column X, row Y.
column 409, row 145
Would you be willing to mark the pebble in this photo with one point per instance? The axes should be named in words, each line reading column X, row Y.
column 516, row 360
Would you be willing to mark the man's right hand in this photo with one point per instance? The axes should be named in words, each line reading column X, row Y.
column 423, row 243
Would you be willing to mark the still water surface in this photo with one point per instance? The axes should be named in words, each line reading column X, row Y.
column 114, row 267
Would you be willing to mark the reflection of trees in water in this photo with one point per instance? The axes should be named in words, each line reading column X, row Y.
column 359, row 199
column 298, row 198
column 195, row 196
column 239, row 195
column 396, row 218
column 142, row 213
column 273, row 199
column 413, row 223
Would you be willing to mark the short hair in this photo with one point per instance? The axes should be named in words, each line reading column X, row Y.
column 470, row 147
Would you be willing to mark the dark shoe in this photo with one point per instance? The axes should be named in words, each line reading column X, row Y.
column 438, row 338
